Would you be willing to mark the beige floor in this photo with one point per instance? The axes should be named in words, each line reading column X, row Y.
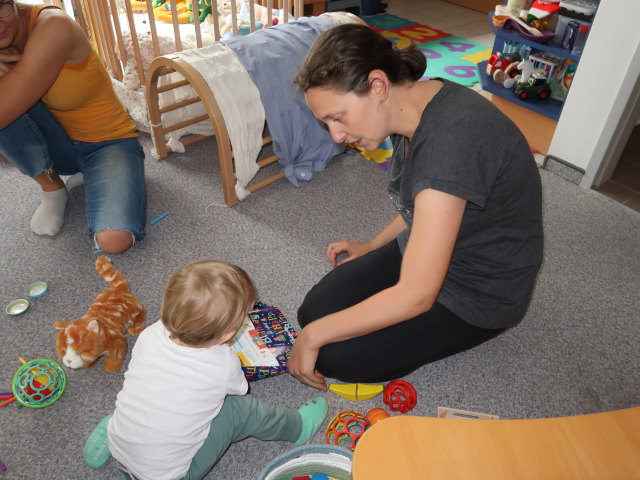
column 450, row 18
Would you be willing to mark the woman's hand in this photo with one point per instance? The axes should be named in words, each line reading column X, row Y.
column 302, row 362
column 352, row 249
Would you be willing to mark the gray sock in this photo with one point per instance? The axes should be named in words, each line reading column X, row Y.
column 50, row 214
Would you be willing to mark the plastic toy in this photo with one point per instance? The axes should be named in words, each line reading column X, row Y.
column 356, row 391
column 400, row 396
column 535, row 86
column 162, row 11
column 503, row 66
column 157, row 219
column 529, row 32
column 39, row 383
column 17, row 307
column 376, row 414
column 138, row 6
column 562, row 80
column 346, row 429
column 37, row 289
column 6, row 398
column 204, row 10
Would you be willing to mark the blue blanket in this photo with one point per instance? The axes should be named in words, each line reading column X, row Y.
column 273, row 56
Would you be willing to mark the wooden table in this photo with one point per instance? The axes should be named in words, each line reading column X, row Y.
column 597, row 446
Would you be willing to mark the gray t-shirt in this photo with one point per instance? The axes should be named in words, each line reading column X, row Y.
column 466, row 147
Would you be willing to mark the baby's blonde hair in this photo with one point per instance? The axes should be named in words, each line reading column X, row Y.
column 205, row 300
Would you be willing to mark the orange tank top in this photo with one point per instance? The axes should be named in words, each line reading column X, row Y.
column 84, row 102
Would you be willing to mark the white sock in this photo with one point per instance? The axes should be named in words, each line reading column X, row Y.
column 74, row 181
column 49, row 216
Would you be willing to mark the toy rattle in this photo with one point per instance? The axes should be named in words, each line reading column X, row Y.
column 400, row 396
column 37, row 384
column 346, row 429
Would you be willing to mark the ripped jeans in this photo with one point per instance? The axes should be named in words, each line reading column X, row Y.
column 113, row 170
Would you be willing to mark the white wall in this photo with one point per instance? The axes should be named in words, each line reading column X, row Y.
column 606, row 74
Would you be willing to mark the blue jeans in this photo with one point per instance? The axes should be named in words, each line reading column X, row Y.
column 113, row 170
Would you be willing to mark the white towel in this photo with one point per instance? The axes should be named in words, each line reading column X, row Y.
column 239, row 102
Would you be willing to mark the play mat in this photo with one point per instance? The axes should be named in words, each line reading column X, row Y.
column 448, row 56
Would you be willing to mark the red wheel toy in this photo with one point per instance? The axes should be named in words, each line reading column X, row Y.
column 400, row 396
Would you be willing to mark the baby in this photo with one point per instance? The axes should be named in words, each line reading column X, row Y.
column 184, row 398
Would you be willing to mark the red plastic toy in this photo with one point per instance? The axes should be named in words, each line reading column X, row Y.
column 400, row 396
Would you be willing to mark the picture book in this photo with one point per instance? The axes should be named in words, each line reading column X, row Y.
column 263, row 342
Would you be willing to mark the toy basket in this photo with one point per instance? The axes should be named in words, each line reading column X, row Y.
column 307, row 460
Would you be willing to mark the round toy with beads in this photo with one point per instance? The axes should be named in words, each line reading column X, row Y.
column 346, row 428
column 38, row 383
column 400, row 396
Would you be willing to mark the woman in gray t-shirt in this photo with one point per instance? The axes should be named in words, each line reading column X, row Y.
column 458, row 264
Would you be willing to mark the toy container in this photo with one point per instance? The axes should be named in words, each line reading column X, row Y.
column 521, row 49
column 565, row 17
column 333, row 461
column 585, row 7
column 547, row 63
column 581, row 39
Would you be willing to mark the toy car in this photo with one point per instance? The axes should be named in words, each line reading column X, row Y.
column 503, row 65
column 536, row 85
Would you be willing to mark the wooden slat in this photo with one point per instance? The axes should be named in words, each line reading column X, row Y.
column 180, row 104
column 268, row 161
column 234, row 17
column 134, row 40
column 196, row 22
column 264, row 183
column 97, row 23
column 152, row 25
column 186, row 123
column 176, row 25
column 118, row 30
column 171, row 86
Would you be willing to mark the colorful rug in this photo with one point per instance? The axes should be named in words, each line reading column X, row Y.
column 448, row 56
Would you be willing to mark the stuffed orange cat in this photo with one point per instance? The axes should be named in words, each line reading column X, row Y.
column 101, row 330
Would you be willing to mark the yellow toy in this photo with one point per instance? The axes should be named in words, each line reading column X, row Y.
column 356, row 391
column 382, row 154
column 163, row 12
column 138, row 6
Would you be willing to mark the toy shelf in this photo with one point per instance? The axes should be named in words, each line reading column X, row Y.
column 551, row 47
column 550, row 107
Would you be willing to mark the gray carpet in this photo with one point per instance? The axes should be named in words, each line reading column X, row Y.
column 576, row 351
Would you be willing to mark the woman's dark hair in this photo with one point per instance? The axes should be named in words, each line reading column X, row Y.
column 343, row 56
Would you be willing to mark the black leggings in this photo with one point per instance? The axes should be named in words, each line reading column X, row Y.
column 392, row 352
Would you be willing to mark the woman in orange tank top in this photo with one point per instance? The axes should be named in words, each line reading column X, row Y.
column 63, row 118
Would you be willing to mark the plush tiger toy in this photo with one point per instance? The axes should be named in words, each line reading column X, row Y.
column 101, row 330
